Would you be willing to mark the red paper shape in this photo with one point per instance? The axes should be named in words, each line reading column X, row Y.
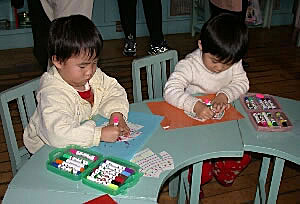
column 103, row 199
column 176, row 118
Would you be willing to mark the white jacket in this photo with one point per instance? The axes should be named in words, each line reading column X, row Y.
column 60, row 111
column 192, row 77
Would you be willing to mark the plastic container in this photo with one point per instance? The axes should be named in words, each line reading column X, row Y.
column 130, row 181
column 60, row 152
column 265, row 112
column 92, row 160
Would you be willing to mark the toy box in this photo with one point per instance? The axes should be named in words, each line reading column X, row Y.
column 108, row 174
column 265, row 112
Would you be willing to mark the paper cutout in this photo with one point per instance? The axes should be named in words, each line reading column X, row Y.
column 151, row 164
column 126, row 149
column 176, row 118
column 103, row 199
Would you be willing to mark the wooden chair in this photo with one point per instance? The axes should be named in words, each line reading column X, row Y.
column 24, row 94
column 156, row 70
column 200, row 14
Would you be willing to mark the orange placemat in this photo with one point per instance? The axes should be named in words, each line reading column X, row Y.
column 176, row 118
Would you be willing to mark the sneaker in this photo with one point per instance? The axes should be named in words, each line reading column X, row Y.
column 129, row 47
column 156, row 49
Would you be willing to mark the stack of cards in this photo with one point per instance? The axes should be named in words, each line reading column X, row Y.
column 151, row 164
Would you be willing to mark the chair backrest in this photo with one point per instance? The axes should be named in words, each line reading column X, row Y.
column 156, row 70
column 24, row 94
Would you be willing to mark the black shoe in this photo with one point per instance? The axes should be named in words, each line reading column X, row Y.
column 158, row 48
column 130, row 46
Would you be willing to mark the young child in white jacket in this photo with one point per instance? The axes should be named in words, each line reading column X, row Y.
column 74, row 90
column 214, row 68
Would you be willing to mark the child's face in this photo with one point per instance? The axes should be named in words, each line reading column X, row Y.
column 77, row 70
column 212, row 63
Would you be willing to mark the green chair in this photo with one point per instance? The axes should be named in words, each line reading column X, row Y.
column 24, row 95
column 156, row 70
column 200, row 14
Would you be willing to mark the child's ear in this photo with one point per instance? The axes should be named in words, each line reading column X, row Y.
column 199, row 44
column 57, row 63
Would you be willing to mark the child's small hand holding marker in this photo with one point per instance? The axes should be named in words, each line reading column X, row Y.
column 203, row 111
column 117, row 126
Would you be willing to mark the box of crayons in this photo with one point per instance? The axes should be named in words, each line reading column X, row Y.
column 108, row 174
column 265, row 112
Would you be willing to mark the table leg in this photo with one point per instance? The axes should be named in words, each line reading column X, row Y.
column 196, row 182
column 173, row 187
column 260, row 196
column 276, row 178
column 184, row 187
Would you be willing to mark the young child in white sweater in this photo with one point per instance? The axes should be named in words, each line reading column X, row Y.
column 214, row 68
column 74, row 90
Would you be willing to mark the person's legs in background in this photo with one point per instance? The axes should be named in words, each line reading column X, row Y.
column 40, row 24
column 153, row 15
column 214, row 10
column 127, row 10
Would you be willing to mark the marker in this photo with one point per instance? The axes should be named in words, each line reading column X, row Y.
column 77, row 168
column 116, row 121
column 262, row 119
column 258, row 121
column 65, row 168
column 68, row 156
column 86, row 155
column 274, row 123
column 271, row 104
column 267, row 119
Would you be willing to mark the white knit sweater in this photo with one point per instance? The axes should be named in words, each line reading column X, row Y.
column 192, row 77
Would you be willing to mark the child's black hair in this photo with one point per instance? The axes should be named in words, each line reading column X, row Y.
column 68, row 36
column 225, row 37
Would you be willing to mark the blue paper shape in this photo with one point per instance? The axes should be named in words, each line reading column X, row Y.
column 126, row 150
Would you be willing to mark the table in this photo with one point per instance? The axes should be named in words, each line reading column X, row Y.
column 282, row 145
column 35, row 184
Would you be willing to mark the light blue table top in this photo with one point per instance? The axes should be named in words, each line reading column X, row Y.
column 285, row 145
column 35, row 184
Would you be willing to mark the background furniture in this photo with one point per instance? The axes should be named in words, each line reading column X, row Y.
column 25, row 96
column 200, row 14
column 35, row 184
column 156, row 67
column 281, row 145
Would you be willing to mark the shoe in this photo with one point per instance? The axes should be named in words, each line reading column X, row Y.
column 130, row 46
column 157, row 48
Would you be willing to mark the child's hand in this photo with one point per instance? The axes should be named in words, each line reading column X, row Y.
column 110, row 133
column 220, row 103
column 122, row 124
column 202, row 111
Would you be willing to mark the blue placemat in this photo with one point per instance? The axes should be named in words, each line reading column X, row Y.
column 126, row 150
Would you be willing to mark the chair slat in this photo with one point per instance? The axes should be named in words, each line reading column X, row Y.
column 24, row 94
column 156, row 70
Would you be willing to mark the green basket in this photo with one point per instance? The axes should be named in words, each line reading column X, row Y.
column 58, row 153
column 129, row 182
